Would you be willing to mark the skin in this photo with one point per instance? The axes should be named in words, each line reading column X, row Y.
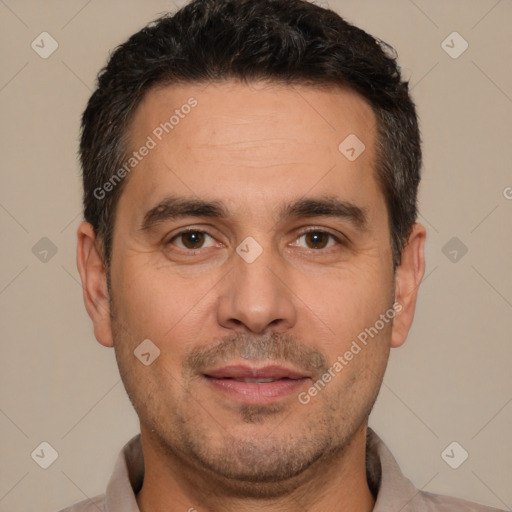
column 301, row 302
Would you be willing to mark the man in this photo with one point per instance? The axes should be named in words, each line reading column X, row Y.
column 251, row 252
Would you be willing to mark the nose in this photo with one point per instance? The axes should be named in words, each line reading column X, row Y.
column 256, row 297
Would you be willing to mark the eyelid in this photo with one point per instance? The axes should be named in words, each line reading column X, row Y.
column 322, row 229
column 190, row 229
column 340, row 238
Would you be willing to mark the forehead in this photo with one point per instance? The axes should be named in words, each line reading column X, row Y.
column 239, row 109
column 221, row 139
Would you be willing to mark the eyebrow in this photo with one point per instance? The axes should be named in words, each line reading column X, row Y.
column 172, row 207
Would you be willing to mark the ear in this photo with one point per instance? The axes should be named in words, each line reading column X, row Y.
column 93, row 274
column 407, row 281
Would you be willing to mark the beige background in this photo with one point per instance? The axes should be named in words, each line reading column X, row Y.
column 452, row 379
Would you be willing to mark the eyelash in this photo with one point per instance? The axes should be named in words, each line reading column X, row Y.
column 340, row 240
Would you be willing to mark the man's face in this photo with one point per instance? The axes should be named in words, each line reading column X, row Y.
column 251, row 308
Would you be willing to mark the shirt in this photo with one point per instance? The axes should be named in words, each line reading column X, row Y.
column 393, row 491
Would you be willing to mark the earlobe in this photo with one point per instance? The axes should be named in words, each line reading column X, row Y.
column 407, row 281
column 94, row 282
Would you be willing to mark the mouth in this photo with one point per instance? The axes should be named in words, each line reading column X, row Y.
column 256, row 385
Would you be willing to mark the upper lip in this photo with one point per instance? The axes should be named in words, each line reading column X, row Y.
column 248, row 372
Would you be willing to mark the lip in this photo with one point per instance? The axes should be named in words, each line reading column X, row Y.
column 229, row 380
column 251, row 372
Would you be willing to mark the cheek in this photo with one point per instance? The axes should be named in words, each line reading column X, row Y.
column 144, row 291
column 346, row 303
column 152, row 302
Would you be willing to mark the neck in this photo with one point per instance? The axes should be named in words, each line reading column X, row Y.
column 335, row 482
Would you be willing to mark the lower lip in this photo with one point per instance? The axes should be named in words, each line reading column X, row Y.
column 257, row 392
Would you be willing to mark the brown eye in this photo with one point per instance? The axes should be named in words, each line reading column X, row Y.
column 317, row 240
column 190, row 239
